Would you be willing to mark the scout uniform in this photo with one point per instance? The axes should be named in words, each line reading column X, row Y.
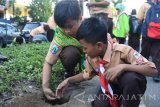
column 68, row 49
column 120, row 54
column 60, row 41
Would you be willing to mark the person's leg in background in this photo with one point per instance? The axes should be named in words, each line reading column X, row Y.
column 70, row 57
column 134, row 41
column 110, row 26
column 155, row 54
column 146, row 47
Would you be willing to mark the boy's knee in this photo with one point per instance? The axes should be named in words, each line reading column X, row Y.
column 70, row 56
column 132, row 81
column 70, row 53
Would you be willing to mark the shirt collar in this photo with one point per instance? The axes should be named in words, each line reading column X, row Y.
column 108, row 53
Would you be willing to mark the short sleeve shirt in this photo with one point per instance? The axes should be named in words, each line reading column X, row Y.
column 120, row 54
column 143, row 11
column 53, row 53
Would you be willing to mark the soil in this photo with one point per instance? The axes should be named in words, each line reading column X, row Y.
column 26, row 94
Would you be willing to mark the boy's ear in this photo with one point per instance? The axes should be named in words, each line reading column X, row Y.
column 100, row 46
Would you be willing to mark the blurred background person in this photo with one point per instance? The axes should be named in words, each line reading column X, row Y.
column 134, row 31
column 121, row 24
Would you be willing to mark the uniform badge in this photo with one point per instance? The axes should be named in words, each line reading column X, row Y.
column 139, row 58
column 54, row 49
column 137, row 55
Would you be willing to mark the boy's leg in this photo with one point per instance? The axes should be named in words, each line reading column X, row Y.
column 100, row 100
column 133, row 86
column 70, row 57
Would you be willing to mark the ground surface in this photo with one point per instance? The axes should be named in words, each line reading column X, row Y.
column 79, row 95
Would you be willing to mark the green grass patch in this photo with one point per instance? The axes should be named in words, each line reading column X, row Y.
column 25, row 62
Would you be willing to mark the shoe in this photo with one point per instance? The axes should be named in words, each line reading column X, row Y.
column 156, row 78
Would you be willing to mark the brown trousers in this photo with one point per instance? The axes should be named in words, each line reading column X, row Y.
column 128, row 91
column 70, row 57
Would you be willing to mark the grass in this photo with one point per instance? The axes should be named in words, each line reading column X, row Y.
column 25, row 62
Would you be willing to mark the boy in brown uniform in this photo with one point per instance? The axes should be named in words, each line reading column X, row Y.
column 123, row 67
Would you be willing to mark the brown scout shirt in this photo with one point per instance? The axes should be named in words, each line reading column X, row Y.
column 40, row 29
column 53, row 53
column 143, row 11
column 120, row 54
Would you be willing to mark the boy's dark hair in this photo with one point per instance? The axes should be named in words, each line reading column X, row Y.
column 93, row 30
column 66, row 10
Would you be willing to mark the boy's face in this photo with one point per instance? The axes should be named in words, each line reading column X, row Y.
column 72, row 27
column 90, row 49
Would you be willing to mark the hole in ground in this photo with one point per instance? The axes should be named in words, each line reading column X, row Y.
column 56, row 101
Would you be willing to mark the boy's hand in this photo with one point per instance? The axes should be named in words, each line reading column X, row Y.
column 49, row 94
column 61, row 87
column 112, row 73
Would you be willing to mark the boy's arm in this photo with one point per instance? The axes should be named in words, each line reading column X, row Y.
column 142, row 69
column 74, row 79
column 46, row 75
column 86, row 75
column 64, row 84
column 135, row 62
column 50, row 59
column 138, row 63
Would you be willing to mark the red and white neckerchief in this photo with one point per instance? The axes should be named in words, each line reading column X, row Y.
column 105, row 86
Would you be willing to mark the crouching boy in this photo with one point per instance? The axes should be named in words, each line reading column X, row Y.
column 121, row 69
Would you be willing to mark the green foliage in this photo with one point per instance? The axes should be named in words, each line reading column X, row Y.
column 40, row 10
column 25, row 62
column 18, row 12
